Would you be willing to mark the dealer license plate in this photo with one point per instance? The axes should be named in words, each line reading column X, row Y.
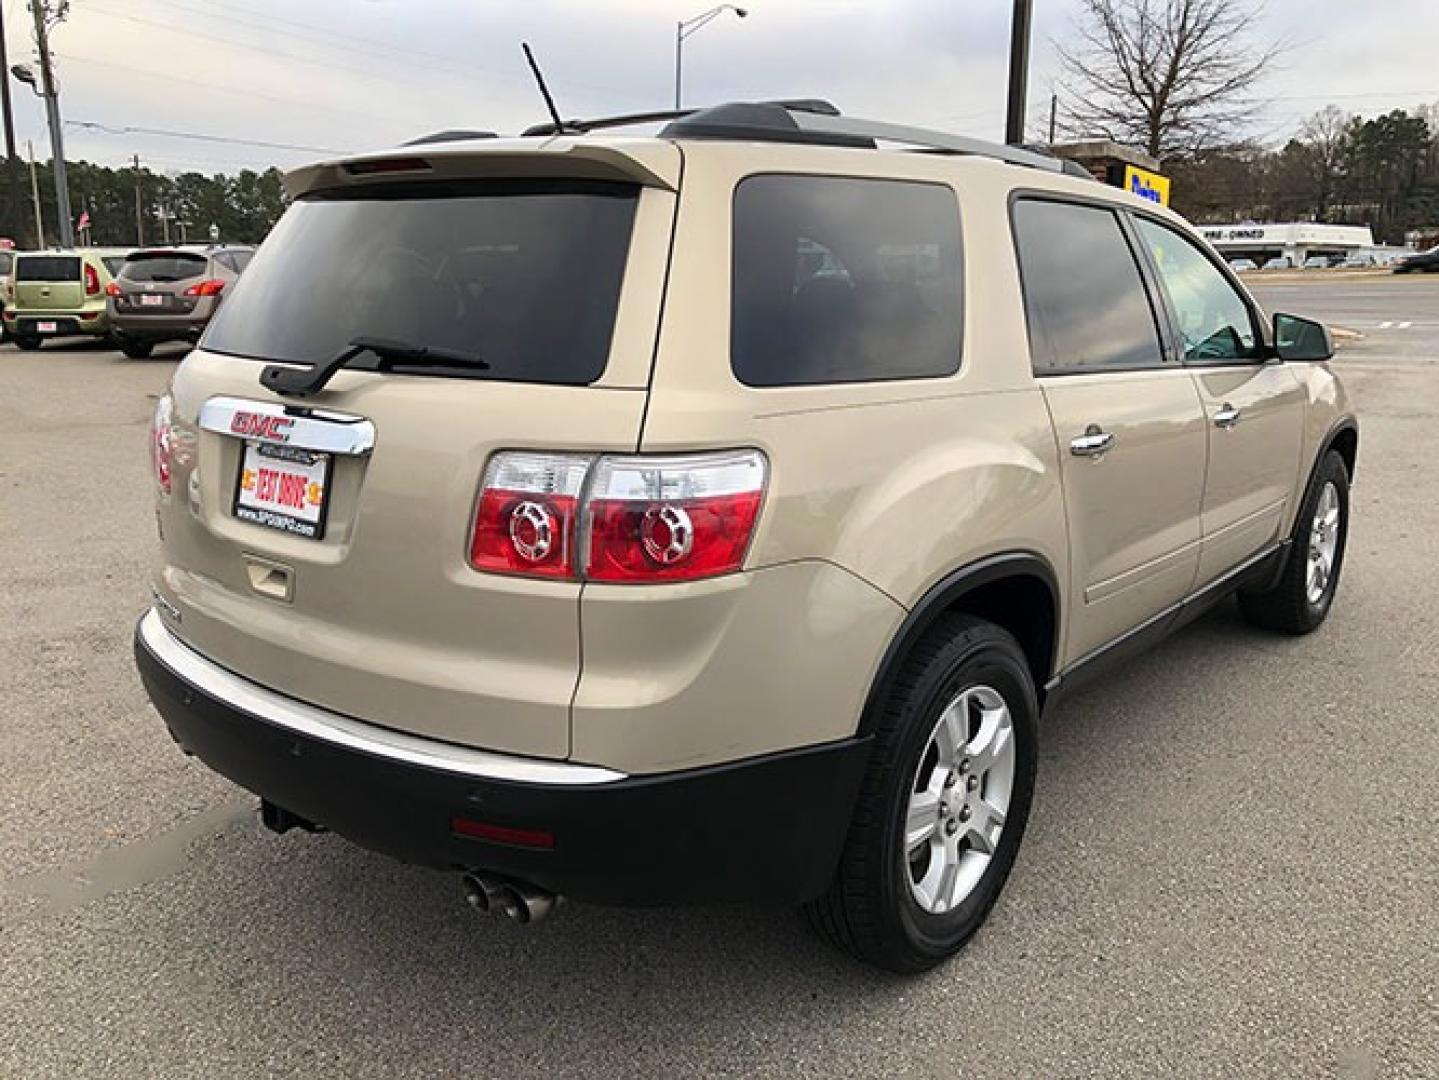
column 283, row 487
column 46, row 327
column 151, row 301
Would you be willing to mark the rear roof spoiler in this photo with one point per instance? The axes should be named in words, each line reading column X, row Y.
column 650, row 162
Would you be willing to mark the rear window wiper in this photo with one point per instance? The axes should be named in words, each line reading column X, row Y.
column 297, row 382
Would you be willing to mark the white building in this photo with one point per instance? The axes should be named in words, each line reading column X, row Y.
column 1295, row 240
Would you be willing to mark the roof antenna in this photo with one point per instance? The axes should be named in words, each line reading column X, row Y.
column 544, row 90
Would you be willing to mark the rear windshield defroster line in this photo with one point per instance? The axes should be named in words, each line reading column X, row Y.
column 526, row 274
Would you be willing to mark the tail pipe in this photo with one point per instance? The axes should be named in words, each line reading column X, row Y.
column 518, row 901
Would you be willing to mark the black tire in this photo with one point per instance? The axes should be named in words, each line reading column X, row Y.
column 28, row 342
column 869, row 910
column 1287, row 606
column 137, row 350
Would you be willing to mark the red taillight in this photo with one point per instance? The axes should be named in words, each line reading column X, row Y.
column 642, row 519
column 672, row 519
column 92, row 281
column 112, row 289
column 525, row 522
column 160, row 440
column 208, row 287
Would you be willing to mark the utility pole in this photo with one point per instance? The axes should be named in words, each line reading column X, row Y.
column 41, row 11
column 1018, row 71
column 1053, row 115
column 35, row 194
column 12, row 162
column 139, row 211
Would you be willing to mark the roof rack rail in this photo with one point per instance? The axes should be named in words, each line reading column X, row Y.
column 776, row 122
column 818, row 106
column 450, row 135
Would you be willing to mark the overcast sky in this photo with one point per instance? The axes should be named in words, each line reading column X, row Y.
column 354, row 74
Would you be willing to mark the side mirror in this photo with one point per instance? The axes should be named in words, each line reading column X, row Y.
column 1297, row 338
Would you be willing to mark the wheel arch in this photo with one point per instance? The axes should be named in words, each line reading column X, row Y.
column 1016, row 590
column 1343, row 437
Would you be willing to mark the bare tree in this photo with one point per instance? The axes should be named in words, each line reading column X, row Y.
column 1172, row 76
column 1328, row 135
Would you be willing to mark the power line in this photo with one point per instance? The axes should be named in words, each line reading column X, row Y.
column 353, row 72
column 91, row 125
column 267, row 20
column 220, row 88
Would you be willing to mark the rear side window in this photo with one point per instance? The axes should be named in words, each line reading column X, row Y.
column 240, row 259
column 7, row 260
column 113, row 263
column 1083, row 294
column 526, row 275
column 162, row 268
column 844, row 280
column 48, row 268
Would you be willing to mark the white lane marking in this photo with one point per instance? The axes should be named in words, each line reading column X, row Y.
column 1386, row 324
column 1405, row 325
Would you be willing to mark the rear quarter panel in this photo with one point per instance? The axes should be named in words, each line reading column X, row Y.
column 895, row 483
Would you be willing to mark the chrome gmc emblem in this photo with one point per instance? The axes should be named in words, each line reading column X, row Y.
column 258, row 426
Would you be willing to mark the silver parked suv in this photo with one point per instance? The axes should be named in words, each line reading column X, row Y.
column 711, row 516
column 170, row 294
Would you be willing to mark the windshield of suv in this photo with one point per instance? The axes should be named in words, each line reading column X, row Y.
column 47, row 268
column 162, row 266
column 524, row 273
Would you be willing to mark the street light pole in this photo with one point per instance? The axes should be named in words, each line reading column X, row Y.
column 1018, row 71
column 66, row 225
column 12, row 163
column 687, row 28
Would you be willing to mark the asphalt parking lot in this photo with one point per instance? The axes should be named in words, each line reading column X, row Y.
column 1231, row 869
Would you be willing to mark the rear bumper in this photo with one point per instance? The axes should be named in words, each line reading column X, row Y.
column 94, row 323
column 764, row 829
column 158, row 327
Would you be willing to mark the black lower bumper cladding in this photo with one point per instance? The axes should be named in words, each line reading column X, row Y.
column 767, row 829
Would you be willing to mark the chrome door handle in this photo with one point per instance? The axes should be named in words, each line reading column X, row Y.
column 1092, row 443
column 1227, row 416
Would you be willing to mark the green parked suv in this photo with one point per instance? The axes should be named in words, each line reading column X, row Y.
column 60, row 293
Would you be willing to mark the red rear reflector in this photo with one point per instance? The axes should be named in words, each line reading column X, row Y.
column 503, row 834
column 388, row 165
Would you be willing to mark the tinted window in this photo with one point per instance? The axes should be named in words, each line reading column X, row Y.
column 222, row 259
column 524, row 274
column 113, row 263
column 840, row 280
column 162, row 267
column 1083, row 293
column 1214, row 322
column 47, row 268
column 241, row 259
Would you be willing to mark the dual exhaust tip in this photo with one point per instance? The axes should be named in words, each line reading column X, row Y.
column 516, row 900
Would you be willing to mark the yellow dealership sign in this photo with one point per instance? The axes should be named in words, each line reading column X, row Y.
column 1146, row 184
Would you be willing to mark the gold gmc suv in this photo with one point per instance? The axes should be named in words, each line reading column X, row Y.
column 711, row 515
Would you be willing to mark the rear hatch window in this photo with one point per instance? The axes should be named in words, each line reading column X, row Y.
column 162, row 268
column 524, row 274
column 48, row 268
